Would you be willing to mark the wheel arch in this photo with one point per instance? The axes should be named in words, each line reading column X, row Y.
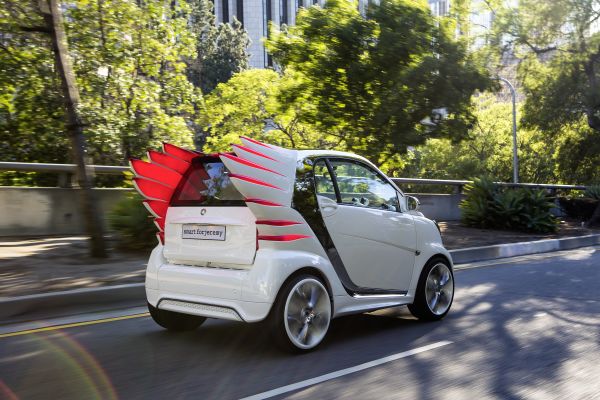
column 308, row 271
column 304, row 271
column 443, row 257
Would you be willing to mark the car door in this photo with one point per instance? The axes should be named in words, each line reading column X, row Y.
column 375, row 240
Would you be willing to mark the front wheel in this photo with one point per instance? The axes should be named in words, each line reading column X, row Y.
column 175, row 321
column 435, row 291
column 301, row 314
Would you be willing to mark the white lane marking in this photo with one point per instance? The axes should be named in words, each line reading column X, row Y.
column 345, row 371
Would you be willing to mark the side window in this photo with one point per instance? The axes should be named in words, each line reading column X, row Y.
column 362, row 186
column 323, row 181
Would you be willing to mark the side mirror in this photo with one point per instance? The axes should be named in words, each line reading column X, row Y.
column 412, row 203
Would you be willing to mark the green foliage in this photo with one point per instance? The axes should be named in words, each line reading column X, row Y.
column 488, row 206
column 478, row 202
column 221, row 49
column 487, row 150
column 593, row 192
column 560, row 49
column 129, row 59
column 557, row 44
column 131, row 62
column 373, row 81
column 31, row 117
column 129, row 218
column 247, row 105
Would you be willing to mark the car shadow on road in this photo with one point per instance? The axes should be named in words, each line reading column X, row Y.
column 518, row 337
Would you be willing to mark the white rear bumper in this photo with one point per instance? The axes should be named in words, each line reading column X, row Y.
column 226, row 293
column 212, row 307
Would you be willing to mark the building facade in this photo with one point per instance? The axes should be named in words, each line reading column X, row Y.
column 255, row 16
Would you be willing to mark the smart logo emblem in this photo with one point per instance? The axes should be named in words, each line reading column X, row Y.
column 203, row 211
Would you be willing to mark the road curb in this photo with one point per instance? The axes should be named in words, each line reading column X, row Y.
column 484, row 253
column 17, row 306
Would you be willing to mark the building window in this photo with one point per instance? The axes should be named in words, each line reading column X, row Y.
column 269, row 9
column 284, row 11
column 240, row 11
column 225, row 8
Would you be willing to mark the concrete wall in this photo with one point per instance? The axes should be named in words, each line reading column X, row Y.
column 47, row 211
column 441, row 207
column 55, row 211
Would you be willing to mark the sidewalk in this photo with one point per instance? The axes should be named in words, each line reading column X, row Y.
column 30, row 266
column 456, row 236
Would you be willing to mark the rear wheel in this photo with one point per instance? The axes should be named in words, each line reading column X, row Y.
column 301, row 314
column 435, row 291
column 175, row 321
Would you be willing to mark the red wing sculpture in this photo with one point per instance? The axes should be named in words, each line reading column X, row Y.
column 265, row 175
column 157, row 180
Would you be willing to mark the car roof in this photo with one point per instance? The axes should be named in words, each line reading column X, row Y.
column 330, row 153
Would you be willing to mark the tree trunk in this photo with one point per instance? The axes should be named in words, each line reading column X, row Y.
column 89, row 205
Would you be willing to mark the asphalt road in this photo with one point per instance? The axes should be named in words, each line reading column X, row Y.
column 522, row 328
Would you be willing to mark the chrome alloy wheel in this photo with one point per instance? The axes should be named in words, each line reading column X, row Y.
column 307, row 313
column 439, row 289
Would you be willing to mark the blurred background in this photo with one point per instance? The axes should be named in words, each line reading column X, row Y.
column 424, row 89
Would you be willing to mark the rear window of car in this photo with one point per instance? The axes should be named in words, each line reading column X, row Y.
column 207, row 183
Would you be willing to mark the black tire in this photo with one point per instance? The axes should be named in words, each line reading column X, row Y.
column 420, row 308
column 175, row 321
column 277, row 317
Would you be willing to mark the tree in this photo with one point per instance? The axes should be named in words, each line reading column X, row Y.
column 48, row 20
column 31, row 107
column 373, row 81
column 486, row 151
column 129, row 59
column 221, row 50
column 557, row 45
column 248, row 105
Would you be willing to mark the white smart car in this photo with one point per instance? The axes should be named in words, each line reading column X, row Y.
column 297, row 237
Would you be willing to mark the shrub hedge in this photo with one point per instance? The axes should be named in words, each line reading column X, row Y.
column 488, row 205
column 130, row 219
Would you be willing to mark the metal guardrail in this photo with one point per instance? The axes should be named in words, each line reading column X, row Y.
column 69, row 169
column 66, row 171
column 58, row 168
column 459, row 184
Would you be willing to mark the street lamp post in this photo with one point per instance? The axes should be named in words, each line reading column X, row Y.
column 514, row 129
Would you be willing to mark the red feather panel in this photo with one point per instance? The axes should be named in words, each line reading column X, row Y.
column 168, row 161
column 178, row 152
column 153, row 190
column 160, row 223
column 282, row 238
column 157, row 208
column 156, row 172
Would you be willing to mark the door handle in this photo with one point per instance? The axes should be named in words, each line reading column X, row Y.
column 327, row 206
